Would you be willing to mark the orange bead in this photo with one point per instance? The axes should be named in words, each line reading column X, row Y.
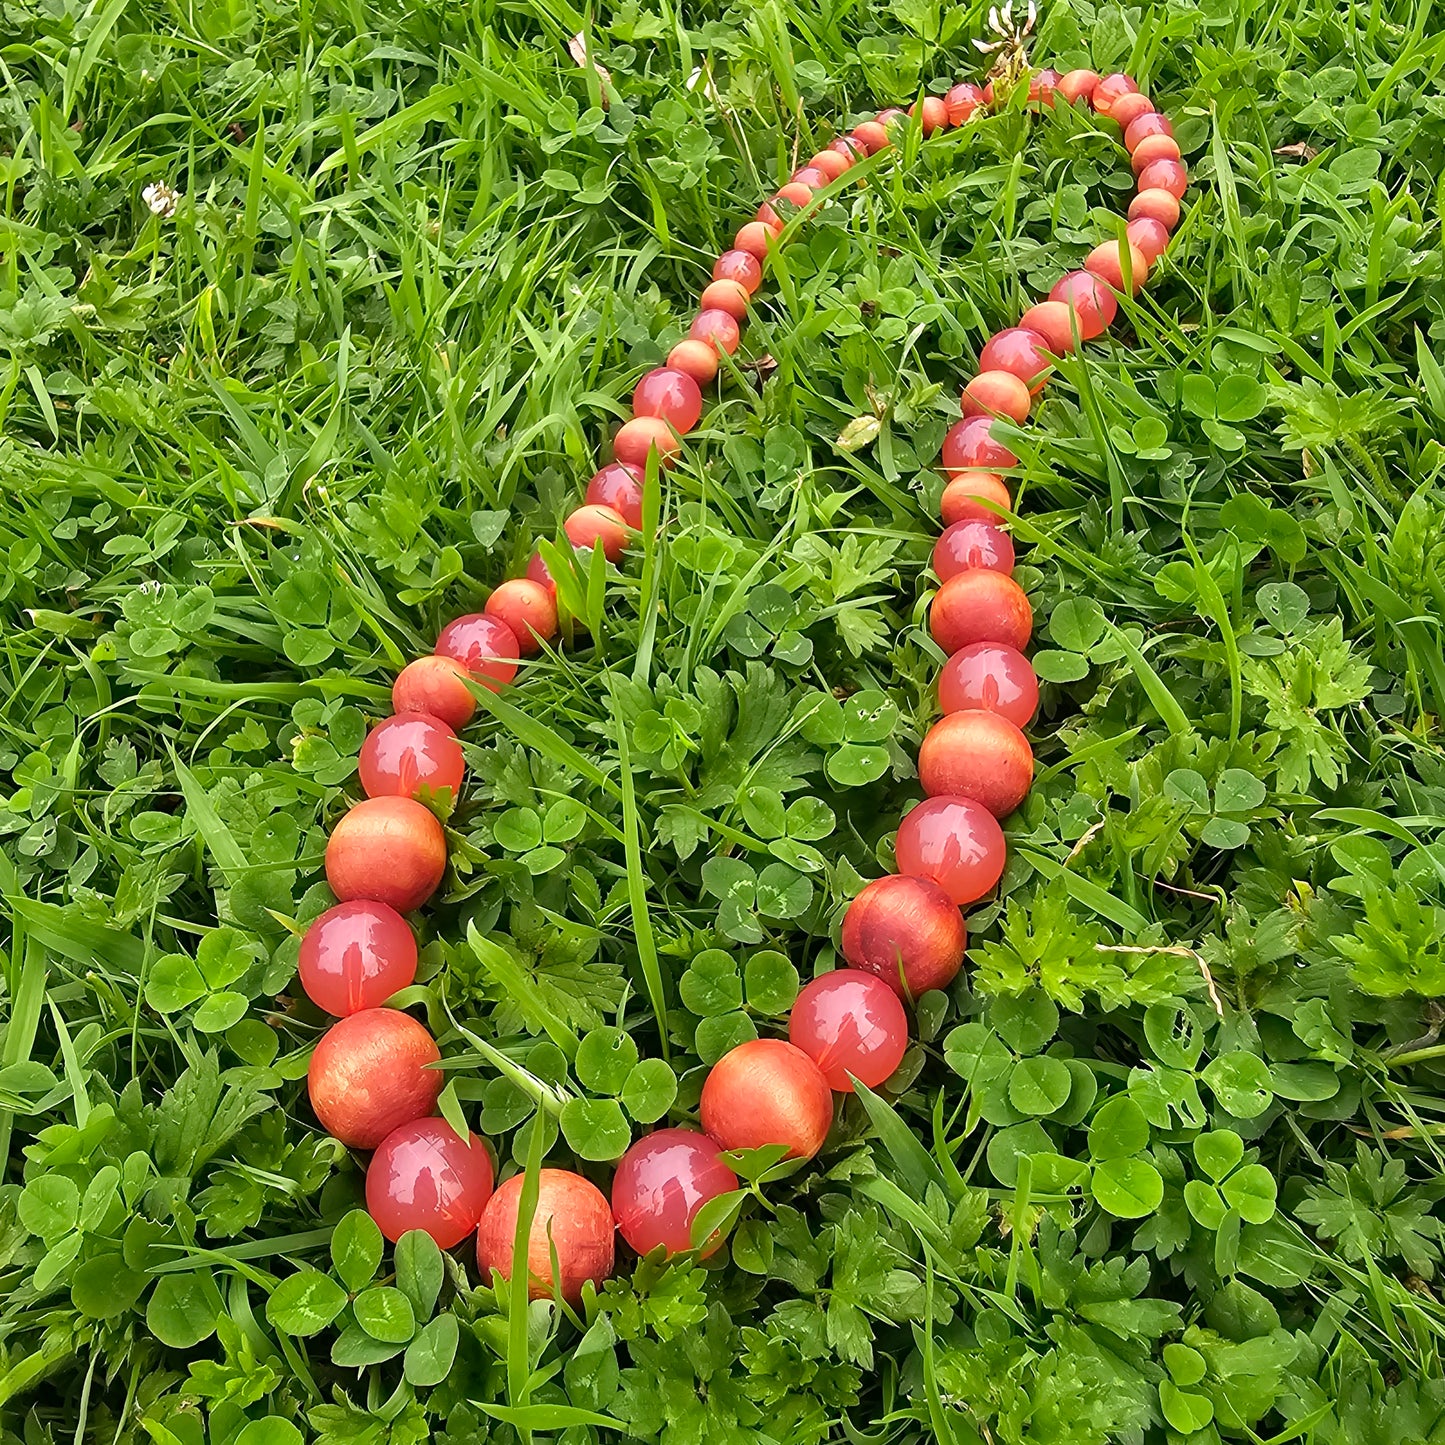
column 1050, row 320
column 739, row 266
column 1078, row 84
column 1109, row 89
column 1151, row 122
column 729, row 296
column 765, row 215
column 933, row 111
column 437, row 686
column 1093, row 304
column 964, row 498
column 1106, row 262
column 796, row 193
column 871, row 136
column 962, row 101
column 754, row 238
column 593, row 526
column 1150, row 238
column 529, row 609
column 1166, row 175
column 997, row 393
column 642, row 435
column 980, row 606
column 695, row 358
column 717, row 327
column 1128, row 108
column 831, row 163
column 1043, row 85
column 979, row 755
column 1154, row 148
column 1155, row 205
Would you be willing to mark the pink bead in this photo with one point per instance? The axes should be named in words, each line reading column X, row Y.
column 661, row 1183
column 809, row 176
column 425, row 1176
column 619, row 486
column 972, row 544
column 1165, row 175
column 717, row 327
column 962, row 101
column 1109, row 89
column 1149, row 238
column 1150, row 123
column 990, row 677
column 871, row 136
column 407, row 753
column 969, row 444
column 355, row 956
column 1094, row 305
column 754, row 238
column 850, row 1023
column 1021, row 351
column 1042, row 86
column 537, row 572
column 739, row 266
column 956, row 843
column 831, row 163
column 485, row 647
column 671, row 396
column 1106, row 261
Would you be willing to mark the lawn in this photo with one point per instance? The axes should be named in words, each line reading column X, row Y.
column 315, row 318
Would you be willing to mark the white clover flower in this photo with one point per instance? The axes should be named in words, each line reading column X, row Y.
column 161, row 199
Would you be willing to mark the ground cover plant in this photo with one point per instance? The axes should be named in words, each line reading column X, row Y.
column 315, row 318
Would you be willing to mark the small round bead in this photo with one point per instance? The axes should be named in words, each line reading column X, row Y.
column 933, row 113
column 660, row 1184
column 425, row 1176
column 644, row 434
column 1129, row 108
column 980, row 606
column 831, row 163
column 1154, row 148
column 1021, row 351
column 1155, row 205
column 370, row 1073
column 964, row 498
column 529, row 609
column 537, row 572
column 767, row 217
column 1107, row 263
column 954, row 842
column 795, row 193
column 992, row 677
column 1151, row 122
column 695, row 359
column 1093, row 304
column 871, row 136
column 767, row 1092
column 1043, row 84
column 355, row 956
column 619, row 486
column 1078, row 84
column 962, row 101
column 671, row 396
column 889, row 114
column 390, row 850
column 739, row 266
column 997, row 393
column 572, row 1223
column 975, row 543
column 968, row 444
column 906, row 930
column 717, row 327
column 436, row 686
column 850, row 1023
column 409, row 752
column 978, row 755
column 1165, row 175
column 1149, row 238
column 726, row 296
column 809, row 176
column 592, row 526
column 1052, row 323
column 754, row 238
column 988, row 92
column 851, row 149
column 487, row 648
column 1109, row 89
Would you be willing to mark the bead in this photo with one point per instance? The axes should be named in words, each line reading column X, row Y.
column 739, row 266
column 389, row 850
column 980, row 606
column 974, row 543
column 425, row 1176
column 409, row 752
column 908, row 931
column 1151, row 122
column 644, row 434
column 537, row 572
column 850, row 1022
column 871, row 136
column 369, row 1074
column 1078, row 84
column 809, row 176
column 831, row 163
column 1148, row 237
column 992, row 677
column 436, row 686
column 1019, row 350
column 660, row 1184
column 988, row 92
column 962, row 101
column 955, row 843
column 572, row 1218
column 619, row 486
column 997, row 393
column 754, row 238
column 1154, row 148
column 726, row 296
column 1165, row 175
column 933, row 113
column 846, row 146
column 964, row 498
column 767, row 1092
column 1155, row 205
column 1128, row 108
column 716, row 327
column 487, row 648
column 767, row 217
column 594, row 526
column 1052, row 323
column 672, row 396
column 969, row 443
column 355, row 956
column 1109, row 89
column 1107, row 263
column 695, row 359
column 794, row 194
column 1043, row 84
column 529, row 609
column 1093, row 304
column 978, row 755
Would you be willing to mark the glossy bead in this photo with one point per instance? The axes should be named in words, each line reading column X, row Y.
column 1128, row 108
column 849, row 148
column 436, row 686
column 529, row 609
column 718, row 328
column 537, row 572
column 660, row 1184
column 980, row 606
column 1050, row 321
column 1021, row 351
column 389, row 850
column 979, row 755
column 370, row 1073
column 962, row 100
column 726, row 296
column 933, row 114
column 619, row 486
column 645, row 434
column 809, row 176
column 767, row 1092
column 1043, row 84
column 409, row 752
column 974, row 543
column 1151, row 122
column 990, row 677
column 739, row 266
column 964, row 498
column 1094, row 305
column 593, row 526
column 1109, row 89
column 487, row 648
column 425, row 1176
column 849, row 1022
column 572, row 1217
column 695, row 359
column 1165, row 175
column 906, row 930
column 1078, row 84
column 754, row 238
column 671, row 396
column 997, row 393
column 767, row 217
column 1155, row 205
column 794, row 194
column 1154, row 148
column 889, row 114
column 956, row 843
column 969, row 443
column 831, row 163
column 988, row 92
column 871, row 136
column 355, row 956
column 1107, row 263
column 1148, row 237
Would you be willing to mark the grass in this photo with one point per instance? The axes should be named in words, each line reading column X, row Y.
column 257, row 452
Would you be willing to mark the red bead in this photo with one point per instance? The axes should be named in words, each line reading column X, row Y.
column 1154, row 148
column 955, row 843
column 389, row 850
column 670, row 396
column 1151, row 122
column 1050, row 321
column 718, row 328
column 962, row 101
column 831, row 163
column 1109, row 89
column 754, row 238
column 1128, row 108
column 370, row 1074
column 1093, row 304
column 355, row 956
column 537, row 572
column 934, row 114
column 767, row 1092
column 1148, row 237
column 978, row 755
column 487, row 648
column 871, row 136
column 809, row 176
column 436, row 686
column 997, row 393
column 572, row 1218
column 739, row 266
column 695, row 359
column 970, row 444
column 1043, row 84
column 592, row 526
column 727, row 296
column 972, row 544
column 619, row 486
column 850, row 1023
column 965, row 496
column 529, row 609
column 1165, row 175
column 908, row 931
column 409, row 752
column 1021, row 351
column 990, row 677
column 1155, row 205
column 1107, row 263
column 645, row 434
column 425, row 1176
column 1078, row 84
column 661, row 1183
column 980, row 606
